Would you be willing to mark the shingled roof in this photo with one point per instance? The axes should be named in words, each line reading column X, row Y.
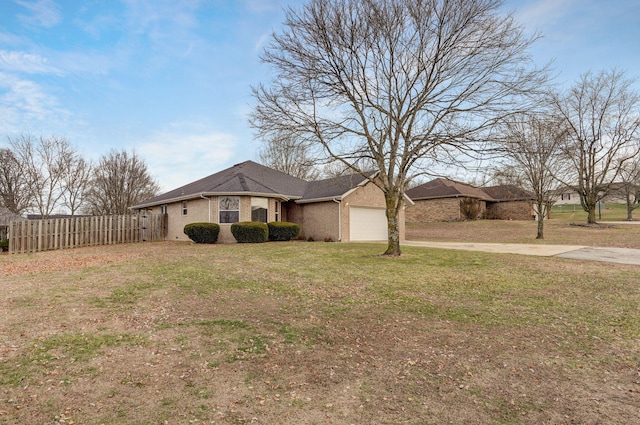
column 332, row 188
column 508, row 192
column 250, row 178
column 444, row 188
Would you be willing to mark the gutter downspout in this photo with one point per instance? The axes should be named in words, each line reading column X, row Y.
column 337, row 201
column 209, row 198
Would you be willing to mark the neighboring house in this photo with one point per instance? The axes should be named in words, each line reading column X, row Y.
column 347, row 208
column 570, row 196
column 444, row 200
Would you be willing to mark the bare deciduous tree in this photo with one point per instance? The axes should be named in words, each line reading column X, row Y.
column 120, row 180
column 14, row 189
column 44, row 164
column 283, row 152
column 504, row 174
column 533, row 144
column 602, row 115
column 76, row 183
column 395, row 82
column 630, row 189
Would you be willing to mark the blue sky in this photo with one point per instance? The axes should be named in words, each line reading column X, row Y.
column 172, row 79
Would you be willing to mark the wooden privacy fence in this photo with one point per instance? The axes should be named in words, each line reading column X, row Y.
column 60, row 233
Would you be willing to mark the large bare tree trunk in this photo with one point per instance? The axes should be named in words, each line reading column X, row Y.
column 591, row 215
column 542, row 211
column 393, row 225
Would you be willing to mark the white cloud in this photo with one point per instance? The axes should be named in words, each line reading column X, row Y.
column 25, row 62
column 43, row 13
column 184, row 152
column 24, row 101
column 262, row 41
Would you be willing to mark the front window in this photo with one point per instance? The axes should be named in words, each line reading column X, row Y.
column 184, row 207
column 229, row 209
column 259, row 207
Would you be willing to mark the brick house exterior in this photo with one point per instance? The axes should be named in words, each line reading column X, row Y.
column 443, row 200
column 325, row 209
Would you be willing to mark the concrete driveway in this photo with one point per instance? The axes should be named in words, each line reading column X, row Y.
column 576, row 252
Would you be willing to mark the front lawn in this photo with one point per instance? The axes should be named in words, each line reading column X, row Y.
column 557, row 231
column 315, row 333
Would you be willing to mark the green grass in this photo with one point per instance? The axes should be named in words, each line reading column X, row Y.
column 59, row 352
column 575, row 213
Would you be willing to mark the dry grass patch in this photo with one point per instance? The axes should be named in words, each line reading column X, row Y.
column 311, row 333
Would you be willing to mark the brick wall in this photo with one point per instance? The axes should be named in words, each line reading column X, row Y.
column 511, row 210
column 448, row 209
column 318, row 220
column 443, row 209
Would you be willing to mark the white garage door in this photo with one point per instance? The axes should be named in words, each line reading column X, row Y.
column 367, row 224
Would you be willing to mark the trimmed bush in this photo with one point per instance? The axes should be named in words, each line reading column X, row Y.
column 4, row 245
column 250, row 232
column 202, row 232
column 470, row 208
column 283, row 231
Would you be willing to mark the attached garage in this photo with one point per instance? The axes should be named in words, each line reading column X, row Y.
column 367, row 224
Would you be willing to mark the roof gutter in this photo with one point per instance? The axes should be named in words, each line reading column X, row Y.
column 326, row 199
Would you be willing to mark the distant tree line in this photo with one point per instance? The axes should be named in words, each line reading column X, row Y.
column 45, row 175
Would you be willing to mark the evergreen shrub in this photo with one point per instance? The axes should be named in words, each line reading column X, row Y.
column 250, row 232
column 202, row 232
column 283, row 231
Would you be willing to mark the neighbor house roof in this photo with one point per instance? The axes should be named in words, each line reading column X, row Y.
column 508, row 192
column 444, row 188
column 250, row 178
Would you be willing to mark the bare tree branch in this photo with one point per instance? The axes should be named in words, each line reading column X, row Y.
column 120, row 180
column 533, row 143
column 602, row 114
column 44, row 164
column 15, row 195
column 402, row 83
column 283, row 152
